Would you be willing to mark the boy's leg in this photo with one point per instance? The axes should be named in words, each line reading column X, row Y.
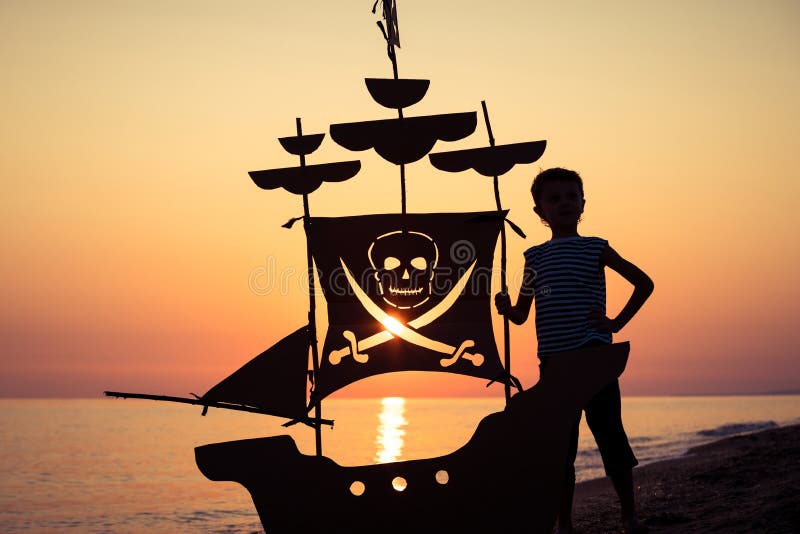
column 623, row 485
column 604, row 417
column 567, row 494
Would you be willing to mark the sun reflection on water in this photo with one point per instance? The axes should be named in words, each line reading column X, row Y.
column 391, row 425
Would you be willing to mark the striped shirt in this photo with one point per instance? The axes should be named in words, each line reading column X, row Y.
column 569, row 283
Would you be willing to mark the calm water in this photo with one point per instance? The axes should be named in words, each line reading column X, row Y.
column 110, row 465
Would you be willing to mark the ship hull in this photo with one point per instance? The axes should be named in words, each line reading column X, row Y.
column 507, row 478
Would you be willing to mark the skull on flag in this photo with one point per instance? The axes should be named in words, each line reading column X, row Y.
column 404, row 262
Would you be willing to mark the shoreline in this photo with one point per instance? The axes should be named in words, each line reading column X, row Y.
column 747, row 483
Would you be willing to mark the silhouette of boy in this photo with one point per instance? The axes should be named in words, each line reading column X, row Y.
column 566, row 277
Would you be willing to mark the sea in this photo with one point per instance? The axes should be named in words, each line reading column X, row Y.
column 127, row 466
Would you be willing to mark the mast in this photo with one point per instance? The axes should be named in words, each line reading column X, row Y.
column 312, row 304
column 391, row 34
column 304, row 180
column 206, row 404
column 393, row 58
column 503, row 279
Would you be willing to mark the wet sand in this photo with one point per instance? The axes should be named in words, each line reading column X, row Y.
column 741, row 484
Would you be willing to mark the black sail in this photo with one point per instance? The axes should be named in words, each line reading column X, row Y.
column 406, row 292
column 491, row 160
column 406, row 140
column 275, row 381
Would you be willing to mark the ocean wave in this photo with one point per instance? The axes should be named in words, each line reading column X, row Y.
column 737, row 428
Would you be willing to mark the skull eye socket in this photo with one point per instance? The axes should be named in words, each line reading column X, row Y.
column 391, row 263
column 419, row 263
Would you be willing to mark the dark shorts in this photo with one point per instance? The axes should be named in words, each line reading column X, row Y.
column 604, row 417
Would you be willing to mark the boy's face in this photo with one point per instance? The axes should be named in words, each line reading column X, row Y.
column 560, row 204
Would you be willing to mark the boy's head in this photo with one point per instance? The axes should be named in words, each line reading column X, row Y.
column 553, row 187
column 555, row 174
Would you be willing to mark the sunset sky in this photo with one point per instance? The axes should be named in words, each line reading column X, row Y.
column 137, row 254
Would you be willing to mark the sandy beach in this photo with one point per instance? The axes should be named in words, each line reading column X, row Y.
column 741, row 484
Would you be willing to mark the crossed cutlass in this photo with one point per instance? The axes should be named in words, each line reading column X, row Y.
column 408, row 331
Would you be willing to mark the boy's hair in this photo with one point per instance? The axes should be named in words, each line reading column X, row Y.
column 555, row 174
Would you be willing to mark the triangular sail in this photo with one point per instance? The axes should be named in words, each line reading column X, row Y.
column 275, row 381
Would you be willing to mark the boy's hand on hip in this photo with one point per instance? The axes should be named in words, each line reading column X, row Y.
column 600, row 322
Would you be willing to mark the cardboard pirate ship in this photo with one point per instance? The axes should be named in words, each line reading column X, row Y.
column 404, row 291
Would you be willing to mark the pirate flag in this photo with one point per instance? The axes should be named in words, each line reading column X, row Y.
column 406, row 292
column 389, row 14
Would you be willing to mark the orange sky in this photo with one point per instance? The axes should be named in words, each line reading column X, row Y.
column 132, row 236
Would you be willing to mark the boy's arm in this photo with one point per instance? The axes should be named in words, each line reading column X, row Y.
column 518, row 313
column 642, row 289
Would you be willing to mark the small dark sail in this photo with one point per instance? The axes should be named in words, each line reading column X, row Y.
column 306, row 179
column 396, row 93
column 491, row 160
column 405, row 140
column 274, row 381
column 301, row 145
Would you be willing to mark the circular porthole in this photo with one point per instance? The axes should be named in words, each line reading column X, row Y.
column 357, row 488
column 399, row 483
